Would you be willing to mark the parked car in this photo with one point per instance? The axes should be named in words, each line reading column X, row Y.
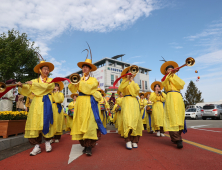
column 193, row 113
column 213, row 111
column 193, row 106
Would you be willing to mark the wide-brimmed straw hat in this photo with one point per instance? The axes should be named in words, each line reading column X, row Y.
column 125, row 71
column 44, row 63
column 61, row 85
column 166, row 64
column 74, row 94
column 88, row 62
column 101, row 90
column 142, row 93
column 149, row 92
column 155, row 83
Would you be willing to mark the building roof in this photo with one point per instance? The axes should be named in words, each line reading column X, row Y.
column 111, row 60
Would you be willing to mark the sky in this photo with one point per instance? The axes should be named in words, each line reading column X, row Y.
column 143, row 30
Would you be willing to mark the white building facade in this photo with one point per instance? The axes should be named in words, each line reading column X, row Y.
column 108, row 70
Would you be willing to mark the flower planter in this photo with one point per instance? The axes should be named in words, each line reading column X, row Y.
column 11, row 127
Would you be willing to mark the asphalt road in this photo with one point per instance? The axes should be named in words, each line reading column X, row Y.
column 204, row 123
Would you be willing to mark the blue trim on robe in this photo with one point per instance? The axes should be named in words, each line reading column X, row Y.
column 48, row 114
column 149, row 117
column 95, row 109
column 143, row 114
column 59, row 107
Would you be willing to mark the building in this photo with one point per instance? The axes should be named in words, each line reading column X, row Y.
column 108, row 70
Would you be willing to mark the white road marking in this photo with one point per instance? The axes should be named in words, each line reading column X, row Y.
column 199, row 126
column 76, row 152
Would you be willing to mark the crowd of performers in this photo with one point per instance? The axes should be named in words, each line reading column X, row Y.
column 89, row 113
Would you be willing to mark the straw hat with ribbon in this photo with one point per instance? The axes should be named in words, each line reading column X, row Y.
column 61, row 85
column 118, row 92
column 88, row 62
column 125, row 71
column 155, row 83
column 42, row 64
column 149, row 92
column 74, row 94
column 142, row 93
column 100, row 90
column 166, row 64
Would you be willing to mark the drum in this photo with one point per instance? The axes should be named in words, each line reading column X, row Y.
column 118, row 108
column 71, row 112
column 149, row 109
column 102, row 107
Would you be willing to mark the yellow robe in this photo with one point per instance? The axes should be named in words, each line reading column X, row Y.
column 142, row 106
column 115, row 116
column 149, row 103
column 103, row 113
column 157, row 110
column 34, row 123
column 131, row 115
column 84, row 124
column 58, row 97
column 174, row 106
column 119, row 117
column 69, row 118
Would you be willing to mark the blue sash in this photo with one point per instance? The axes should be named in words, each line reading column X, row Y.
column 48, row 114
column 149, row 117
column 95, row 109
column 185, row 125
column 143, row 113
column 59, row 107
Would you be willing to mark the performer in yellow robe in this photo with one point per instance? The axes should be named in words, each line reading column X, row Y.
column 157, row 97
column 86, row 119
column 40, row 118
column 142, row 107
column 104, row 107
column 148, row 115
column 119, row 114
column 132, row 120
column 114, row 111
column 58, row 98
column 174, row 106
column 71, row 108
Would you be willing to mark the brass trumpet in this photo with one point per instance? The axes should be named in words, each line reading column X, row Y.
column 189, row 62
column 74, row 78
column 134, row 69
column 3, row 86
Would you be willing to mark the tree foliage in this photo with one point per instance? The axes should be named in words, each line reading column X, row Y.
column 17, row 56
column 192, row 95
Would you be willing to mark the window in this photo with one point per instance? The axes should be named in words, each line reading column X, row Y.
column 121, row 80
column 112, row 79
column 66, row 90
column 140, row 84
column 208, row 107
column 145, row 84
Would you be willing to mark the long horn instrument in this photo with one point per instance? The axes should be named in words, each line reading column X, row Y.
column 189, row 62
column 134, row 69
column 3, row 86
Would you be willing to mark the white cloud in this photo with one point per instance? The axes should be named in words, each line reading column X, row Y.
column 210, row 58
column 175, row 45
column 44, row 20
column 178, row 47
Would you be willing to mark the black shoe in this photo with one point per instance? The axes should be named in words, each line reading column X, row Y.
column 174, row 142
column 179, row 144
column 84, row 150
column 89, row 151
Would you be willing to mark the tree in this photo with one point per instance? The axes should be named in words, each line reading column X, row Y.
column 192, row 95
column 18, row 57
